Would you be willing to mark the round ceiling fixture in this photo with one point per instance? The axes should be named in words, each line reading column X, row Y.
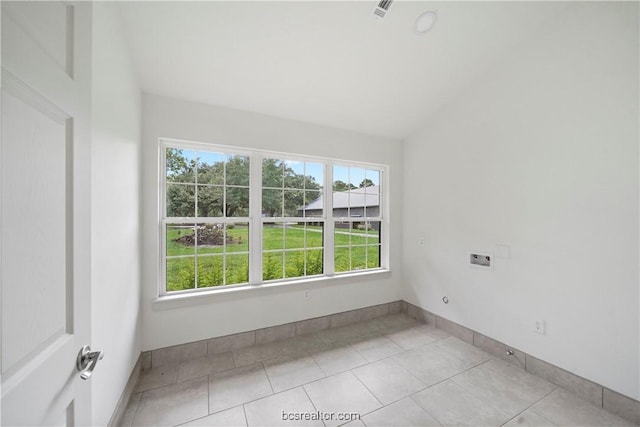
column 426, row 22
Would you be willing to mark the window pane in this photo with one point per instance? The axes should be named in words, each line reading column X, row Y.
column 237, row 202
column 358, row 257
column 373, row 176
column 373, row 233
column 342, row 259
column 272, row 173
column 180, row 239
column 294, row 263
column 314, row 262
column 237, row 269
column 272, row 267
column 357, row 177
column 294, row 237
column 294, row 175
column 340, row 178
column 272, row 203
column 210, row 270
column 314, row 176
column 313, row 204
column 180, row 165
column 237, row 170
column 273, row 236
column 210, row 238
column 210, row 168
column 314, row 236
column 210, row 201
column 293, row 203
column 342, row 233
column 180, row 200
column 237, row 237
column 180, row 274
column 372, row 201
column 373, row 256
column 358, row 234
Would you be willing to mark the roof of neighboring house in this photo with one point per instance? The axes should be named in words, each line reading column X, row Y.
column 357, row 198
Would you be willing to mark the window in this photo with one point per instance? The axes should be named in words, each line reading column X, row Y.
column 234, row 217
column 206, row 225
column 357, row 219
column 292, row 235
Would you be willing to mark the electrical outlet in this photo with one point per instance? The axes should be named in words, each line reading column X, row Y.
column 538, row 326
column 422, row 241
column 307, row 294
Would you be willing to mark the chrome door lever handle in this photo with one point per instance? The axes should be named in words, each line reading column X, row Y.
column 87, row 361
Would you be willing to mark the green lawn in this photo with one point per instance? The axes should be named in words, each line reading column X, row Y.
column 229, row 264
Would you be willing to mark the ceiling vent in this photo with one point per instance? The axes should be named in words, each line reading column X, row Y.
column 382, row 8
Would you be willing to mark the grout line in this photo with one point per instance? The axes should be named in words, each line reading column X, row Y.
column 244, row 411
column 382, row 405
column 268, row 379
column 424, row 409
column 135, row 413
column 531, row 406
column 209, row 394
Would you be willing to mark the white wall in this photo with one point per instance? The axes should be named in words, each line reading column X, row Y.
column 221, row 314
column 541, row 154
column 115, row 192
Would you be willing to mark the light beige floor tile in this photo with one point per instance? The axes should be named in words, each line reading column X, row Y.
column 581, row 387
column 567, row 409
column 430, row 364
column 403, row 413
column 498, row 381
column 237, row 386
column 130, row 410
column 450, row 404
column 388, row 381
column 157, row 377
column 394, row 322
column 301, row 344
column 529, row 418
column 289, row 408
column 462, row 351
column 377, row 348
column 178, row 353
column 346, row 335
column 233, row 417
column 339, row 394
column 205, row 366
column 288, row 372
column 354, row 423
column 255, row 354
column 338, row 359
column 416, row 336
column 231, row 342
column 173, row 404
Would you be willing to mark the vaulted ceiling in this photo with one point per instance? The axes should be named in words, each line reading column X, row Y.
column 329, row 63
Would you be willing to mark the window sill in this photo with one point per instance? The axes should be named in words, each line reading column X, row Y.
column 168, row 302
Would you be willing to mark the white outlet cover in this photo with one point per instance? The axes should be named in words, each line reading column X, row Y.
column 538, row 326
column 481, row 253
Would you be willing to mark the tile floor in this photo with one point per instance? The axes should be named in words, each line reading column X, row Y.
column 391, row 371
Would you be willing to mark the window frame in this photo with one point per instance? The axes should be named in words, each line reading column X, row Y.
column 256, row 221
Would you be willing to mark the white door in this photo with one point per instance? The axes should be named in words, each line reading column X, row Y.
column 45, row 211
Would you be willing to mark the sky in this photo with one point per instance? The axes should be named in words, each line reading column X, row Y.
column 353, row 175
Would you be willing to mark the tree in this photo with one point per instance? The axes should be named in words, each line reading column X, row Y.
column 342, row 186
column 223, row 186
column 366, row 183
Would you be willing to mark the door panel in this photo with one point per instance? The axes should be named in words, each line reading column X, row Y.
column 45, row 212
column 34, row 205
